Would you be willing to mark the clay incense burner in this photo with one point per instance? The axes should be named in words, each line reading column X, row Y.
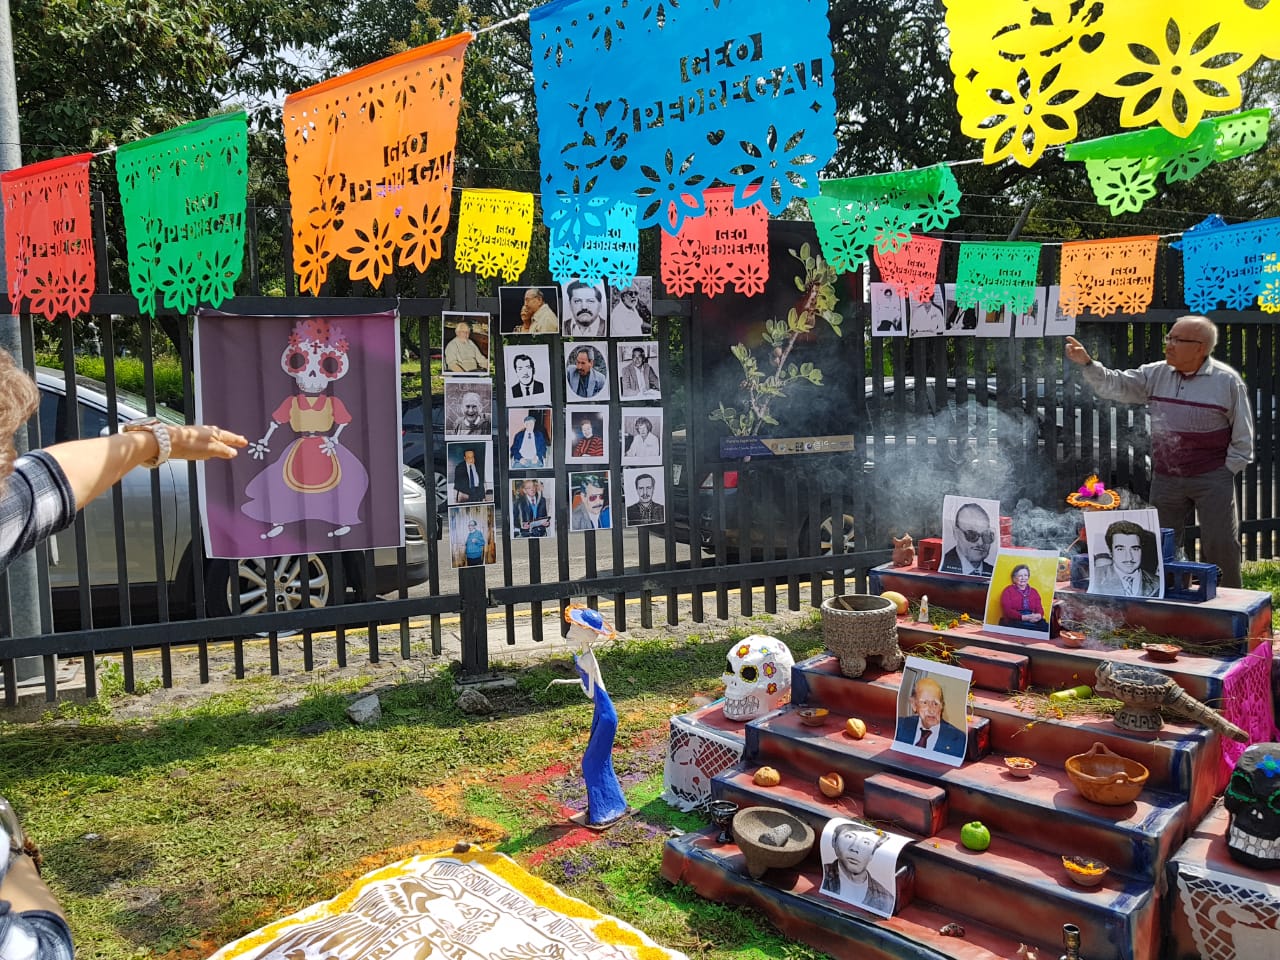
column 1144, row 691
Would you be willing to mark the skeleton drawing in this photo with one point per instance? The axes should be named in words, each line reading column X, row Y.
column 316, row 477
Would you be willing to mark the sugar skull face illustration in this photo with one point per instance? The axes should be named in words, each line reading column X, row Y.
column 757, row 677
column 316, row 355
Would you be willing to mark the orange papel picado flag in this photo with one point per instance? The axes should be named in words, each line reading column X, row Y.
column 370, row 158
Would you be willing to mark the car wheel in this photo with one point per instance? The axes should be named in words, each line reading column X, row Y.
column 442, row 503
column 256, row 581
column 830, row 533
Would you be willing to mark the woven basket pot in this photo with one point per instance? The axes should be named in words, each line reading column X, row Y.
column 857, row 627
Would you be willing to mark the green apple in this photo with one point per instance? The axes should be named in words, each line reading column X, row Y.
column 975, row 835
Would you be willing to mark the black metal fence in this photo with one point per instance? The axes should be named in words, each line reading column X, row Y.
column 1007, row 418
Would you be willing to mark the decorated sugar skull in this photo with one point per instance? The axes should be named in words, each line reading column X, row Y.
column 757, row 677
column 1253, row 800
column 316, row 355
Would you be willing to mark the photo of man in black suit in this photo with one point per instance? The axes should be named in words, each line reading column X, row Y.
column 973, row 537
column 468, row 478
column 526, row 383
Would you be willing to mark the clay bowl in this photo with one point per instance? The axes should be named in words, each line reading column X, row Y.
column 1071, row 638
column 1085, row 871
column 813, row 716
column 1162, row 652
column 1105, row 777
column 1020, row 767
column 750, row 824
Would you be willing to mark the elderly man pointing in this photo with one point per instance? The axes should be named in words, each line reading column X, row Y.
column 1201, row 434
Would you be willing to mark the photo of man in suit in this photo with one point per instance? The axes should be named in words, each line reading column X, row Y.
column 531, row 513
column 529, row 444
column 585, row 310
column 468, row 478
column 848, row 875
column 590, row 501
column 644, row 509
column 1132, row 570
column 584, row 380
column 526, row 383
column 925, row 729
column 973, row 537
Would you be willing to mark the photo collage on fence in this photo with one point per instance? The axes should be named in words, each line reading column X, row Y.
column 466, row 359
column 896, row 315
column 605, row 353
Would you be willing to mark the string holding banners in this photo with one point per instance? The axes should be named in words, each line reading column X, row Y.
column 735, row 91
column 997, row 273
column 1108, row 275
column 494, row 230
column 855, row 214
column 183, row 194
column 1229, row 265
column 1123, row 169
column 48, row 235
column 726, row 246
column 371, row 159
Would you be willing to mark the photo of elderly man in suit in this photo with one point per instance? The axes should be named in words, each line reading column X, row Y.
column 968, row 543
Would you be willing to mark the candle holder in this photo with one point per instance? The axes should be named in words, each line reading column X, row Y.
column 722, row 812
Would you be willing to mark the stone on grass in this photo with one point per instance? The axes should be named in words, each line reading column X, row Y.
column 473, row 701
column 365, row 711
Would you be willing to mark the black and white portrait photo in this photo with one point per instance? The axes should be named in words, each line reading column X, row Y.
column 860, row 864
column 586, row 310
column 642, row 435
column 631, row 309
column 529, row 310
column 586, row 371
column 528, row 373
column 970, row 535
column 888, row 311
column 645, row 500
column 468, row 407
column 1124, row 553
column 638, row 376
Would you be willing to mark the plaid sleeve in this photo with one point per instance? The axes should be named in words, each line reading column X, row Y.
column 35, row 503
column 34, row 935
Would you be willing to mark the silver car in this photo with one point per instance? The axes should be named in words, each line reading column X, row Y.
column 256, row 581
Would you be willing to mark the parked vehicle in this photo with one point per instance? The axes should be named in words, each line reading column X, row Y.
column 255, row 581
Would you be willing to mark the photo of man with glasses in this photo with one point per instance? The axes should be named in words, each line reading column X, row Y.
column 589, row 501
column 1201, row 434
column 967, row 542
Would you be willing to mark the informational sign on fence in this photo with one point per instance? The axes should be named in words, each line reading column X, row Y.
column 741, row 448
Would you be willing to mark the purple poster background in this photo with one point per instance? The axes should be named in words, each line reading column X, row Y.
column 239, row 386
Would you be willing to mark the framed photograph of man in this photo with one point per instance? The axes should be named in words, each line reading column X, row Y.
column 471, row 535
column 970, row 535
column 1031, row 323
column 1020, row 598
column 466, row 344
column 533, row 510
column 586, row 371
column 631, row 309
column 642, row 435
column 1057, row 323
column 645, row 499
column 888, row 311
column 933, row 702
column 470, row 465
column 929, row 319
column 531, row 437
column 586, row 434
column 994, row 322
column 638, row 374
column 1125, row 559
column 961, row 322
column 589, row 501
column 586, row 310
column 860, row 864
column 468, row 407
column 528, row 310
column 528, row 374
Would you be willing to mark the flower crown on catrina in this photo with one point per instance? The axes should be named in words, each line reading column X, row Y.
column 321, row 333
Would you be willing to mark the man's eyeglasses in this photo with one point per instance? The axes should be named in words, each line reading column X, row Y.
column 1174, row 341
column 974, row 536
column 595, row 496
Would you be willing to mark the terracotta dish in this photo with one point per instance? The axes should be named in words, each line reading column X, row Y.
column 813, row 716
column 1071, row 638
column 1105, row 777
column 1085, row 871
column 1019, row 766
column 1162, row 652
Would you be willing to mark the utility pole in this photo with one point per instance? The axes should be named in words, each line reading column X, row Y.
column 24, row 584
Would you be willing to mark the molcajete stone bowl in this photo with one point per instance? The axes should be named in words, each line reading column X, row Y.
column 1105, row 777
column 753, row 827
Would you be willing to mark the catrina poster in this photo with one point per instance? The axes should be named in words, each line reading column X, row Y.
column 318, row 399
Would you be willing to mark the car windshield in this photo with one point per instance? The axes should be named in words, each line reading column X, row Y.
column 124, row 397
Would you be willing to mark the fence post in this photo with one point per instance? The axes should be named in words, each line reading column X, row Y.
column 474, row 627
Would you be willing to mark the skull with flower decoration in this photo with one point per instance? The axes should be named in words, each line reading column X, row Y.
column 1253, row 801
column 757, row 677
column 316, row 354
